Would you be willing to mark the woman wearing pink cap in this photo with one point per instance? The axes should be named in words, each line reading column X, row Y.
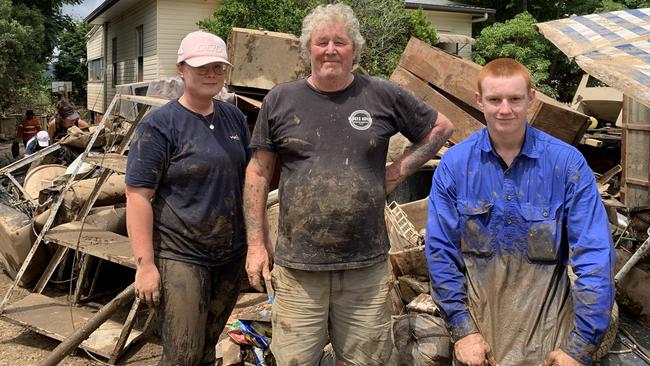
column 184, row 177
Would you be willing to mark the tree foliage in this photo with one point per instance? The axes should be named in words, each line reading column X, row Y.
column 385, row 24
column 517, row 38
column 70, row 64
column 29, row 31
column 273, row 15
column 21, row 28
column 561, row 75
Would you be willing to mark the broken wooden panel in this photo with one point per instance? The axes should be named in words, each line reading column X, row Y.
column 262, row 59
column 459, row 78
column 94, row 241
column 557, row 120
column 464, row 124
column 115, row 162
column 635, row 153
column 59, row 321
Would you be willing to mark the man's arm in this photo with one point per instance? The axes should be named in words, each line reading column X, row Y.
column 419, row 153
column 259, row 173
column 139, row 224
column 592, row 260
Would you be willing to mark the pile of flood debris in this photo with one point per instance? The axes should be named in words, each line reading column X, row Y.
column 62, row 209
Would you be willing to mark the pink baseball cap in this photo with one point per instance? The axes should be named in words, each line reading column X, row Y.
column 201, row 48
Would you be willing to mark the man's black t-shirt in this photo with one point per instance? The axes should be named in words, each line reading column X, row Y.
column 332, row 147
column 198, row 174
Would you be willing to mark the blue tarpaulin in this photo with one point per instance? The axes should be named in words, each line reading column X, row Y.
column 614, row 47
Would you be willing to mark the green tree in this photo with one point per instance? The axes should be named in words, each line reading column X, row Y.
column 21, row 28
column 273, row 15
column 387, row 27
column 29, row 31
column 70, row 64
column 53, row 21
column 385, row 24
column 517, row 38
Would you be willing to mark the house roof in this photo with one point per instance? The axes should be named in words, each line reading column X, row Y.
column 109, row 9
column 445, row 5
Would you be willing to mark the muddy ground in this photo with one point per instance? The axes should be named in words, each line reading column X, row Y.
column 20, row 346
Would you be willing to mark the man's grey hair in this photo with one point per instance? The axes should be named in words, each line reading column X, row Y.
column 331, row 13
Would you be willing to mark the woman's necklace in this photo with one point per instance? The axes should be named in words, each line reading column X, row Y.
column 211, row 123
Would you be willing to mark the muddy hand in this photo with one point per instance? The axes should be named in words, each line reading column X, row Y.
column 560, row 358
column 257, row 266
column 147, row 284
column 473, row 350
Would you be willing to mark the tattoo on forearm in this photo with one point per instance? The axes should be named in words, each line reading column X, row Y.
column 254, row 208
column 424, row 151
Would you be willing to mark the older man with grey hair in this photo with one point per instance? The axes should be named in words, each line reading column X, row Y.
column 330, row 132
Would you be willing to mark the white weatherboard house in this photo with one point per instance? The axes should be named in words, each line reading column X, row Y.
column 136, row 40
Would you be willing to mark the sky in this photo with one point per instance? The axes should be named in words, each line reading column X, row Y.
column 79, row 12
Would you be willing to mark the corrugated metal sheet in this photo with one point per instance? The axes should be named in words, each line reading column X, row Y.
column 613, row 47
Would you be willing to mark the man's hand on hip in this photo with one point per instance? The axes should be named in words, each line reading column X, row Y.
column 473, row 350
column 257, row 266
column 560, row 358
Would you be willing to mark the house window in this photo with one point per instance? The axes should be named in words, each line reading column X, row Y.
column 95, row 69
column 139, row 36
column 114, row 60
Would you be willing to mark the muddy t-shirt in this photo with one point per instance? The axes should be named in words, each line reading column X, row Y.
column 198, row 175
column 332, row 148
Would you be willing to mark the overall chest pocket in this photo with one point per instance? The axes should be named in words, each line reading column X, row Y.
column 475, row 236
column 543, row 232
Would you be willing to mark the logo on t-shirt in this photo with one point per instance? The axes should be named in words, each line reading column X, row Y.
column 360, row 120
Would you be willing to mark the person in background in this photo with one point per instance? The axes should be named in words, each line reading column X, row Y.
column 510, row 209
column 66, row 116
column 38, row 142
column 184, row 181
column 27, row 128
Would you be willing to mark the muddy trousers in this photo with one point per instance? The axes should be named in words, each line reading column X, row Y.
column 195, row 304
column 348, row 307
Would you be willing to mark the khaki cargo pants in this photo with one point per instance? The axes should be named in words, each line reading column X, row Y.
column 347, row 307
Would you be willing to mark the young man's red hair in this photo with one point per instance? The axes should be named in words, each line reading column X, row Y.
column 503, row 67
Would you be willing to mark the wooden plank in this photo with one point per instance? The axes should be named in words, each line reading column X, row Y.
column 115, row 162
column 558, row 120
column 152, row 101
column 638, row 182
column 637, row 127
column 29, row 158
column 459, row 78
column 55, row 320
column 464, row 124
column 96, row 242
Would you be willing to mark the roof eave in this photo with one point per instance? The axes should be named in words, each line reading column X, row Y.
column 451, row 9
column 100, row 10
